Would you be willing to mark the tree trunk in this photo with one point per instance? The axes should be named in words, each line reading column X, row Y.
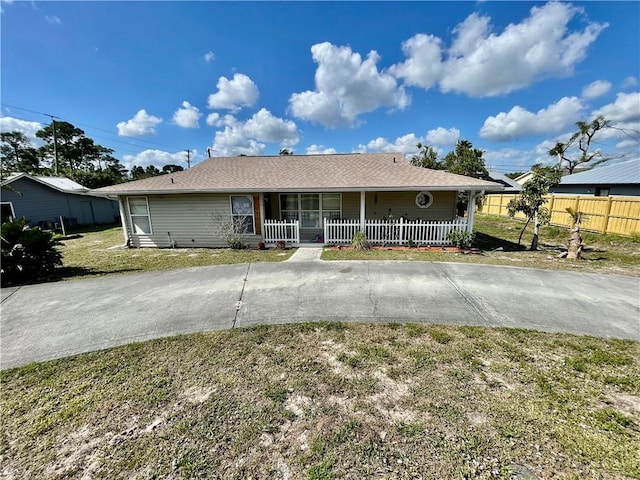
column 574, row 248
column 536, row 230
column 523, row 230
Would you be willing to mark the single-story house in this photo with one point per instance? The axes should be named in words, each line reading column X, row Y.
column 294, row 199
column 510, row 185
column 43, row 200
column 622, row 178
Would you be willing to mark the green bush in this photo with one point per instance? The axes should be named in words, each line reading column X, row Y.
column 359, row 241
column 28, row 253
column 461, row 239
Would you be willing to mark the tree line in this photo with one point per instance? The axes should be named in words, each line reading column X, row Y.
column 78, row 157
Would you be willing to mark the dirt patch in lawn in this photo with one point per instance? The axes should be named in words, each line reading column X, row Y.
column 330, row 400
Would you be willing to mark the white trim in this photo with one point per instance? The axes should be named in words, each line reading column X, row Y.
column 13, row 212
column 420, row 203
column 253, row 216
column 300, row 210
column 123, row 219
column 362, row 211
column 146, row 199
column 261, row 201
column 241, row 191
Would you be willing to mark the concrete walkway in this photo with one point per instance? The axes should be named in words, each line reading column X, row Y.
column 306, row 254
column 47, row 321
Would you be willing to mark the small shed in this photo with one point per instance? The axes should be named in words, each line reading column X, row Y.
column 43, row 200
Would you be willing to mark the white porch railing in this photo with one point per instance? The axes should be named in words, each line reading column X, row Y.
column 393, row 232
column 281, row 231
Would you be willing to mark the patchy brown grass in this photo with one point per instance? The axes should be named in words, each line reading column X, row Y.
column 497, row 238
column 99, row 251
column 322, row 401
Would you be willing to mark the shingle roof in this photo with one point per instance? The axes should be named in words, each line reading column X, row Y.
column 346, row 172
column 619, row 173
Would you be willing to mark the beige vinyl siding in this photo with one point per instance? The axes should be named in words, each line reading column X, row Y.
column 186, row 220
column 400, row 204
column 403, row 204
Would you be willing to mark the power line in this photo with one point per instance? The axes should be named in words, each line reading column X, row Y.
column 95, row 128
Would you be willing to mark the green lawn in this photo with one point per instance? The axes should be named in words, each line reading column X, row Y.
column 497, row 238
column 324, row 401
column 99, row 251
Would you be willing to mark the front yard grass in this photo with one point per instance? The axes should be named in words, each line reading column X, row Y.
column 330, row 400
column 99, row 251
column 497, row 237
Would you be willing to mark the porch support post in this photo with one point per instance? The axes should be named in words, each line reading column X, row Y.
column 261, row 201
column 362, row 211
column 471, row 209
column 123, row 219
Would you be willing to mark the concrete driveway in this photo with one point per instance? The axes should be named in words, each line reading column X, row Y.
column 42, row 322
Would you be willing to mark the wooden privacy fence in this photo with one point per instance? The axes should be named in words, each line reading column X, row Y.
column 393, row 232
column 612, row 214
column 281, row 231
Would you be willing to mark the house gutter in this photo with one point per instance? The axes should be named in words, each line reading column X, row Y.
column 413, row 188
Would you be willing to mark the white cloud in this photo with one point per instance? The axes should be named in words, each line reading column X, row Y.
column 626, row 108
column 423, row 67
column 320, row 150
column 187, row 116
column 482, row 63
column 213, row 120
column 265, row 127
column 247, row 137
column 629, row 82
column 346, row 86
column 231, row 142
column 405, row 144
column 234, row 94
column 519, row 122
column 141, row 124
column 29, row 129
column 443, row 136
column 627, row 143
column 516, row 159
column 159, row 158
column 209, row 56
column 52, row 19
column 596, row 89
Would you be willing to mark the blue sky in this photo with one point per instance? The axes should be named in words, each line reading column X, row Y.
column 152, row 79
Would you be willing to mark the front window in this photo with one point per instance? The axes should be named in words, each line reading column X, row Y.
column 242, row 214
column 310, row 208
column 139, row 213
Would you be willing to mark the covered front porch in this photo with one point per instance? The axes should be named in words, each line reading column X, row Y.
column 386, row 217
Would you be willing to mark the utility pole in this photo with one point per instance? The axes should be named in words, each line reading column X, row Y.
column 188, row 158
column 55, row 144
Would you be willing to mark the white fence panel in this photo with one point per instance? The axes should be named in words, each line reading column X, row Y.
column 394, row 232
column 282, row 231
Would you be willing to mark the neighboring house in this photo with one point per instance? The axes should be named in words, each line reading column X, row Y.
column 622, row 178
column 43, row 200
column 510, row 185
column 522, row 179
column 294, row 198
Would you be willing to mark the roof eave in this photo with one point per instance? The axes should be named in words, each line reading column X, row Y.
column 412, row 188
